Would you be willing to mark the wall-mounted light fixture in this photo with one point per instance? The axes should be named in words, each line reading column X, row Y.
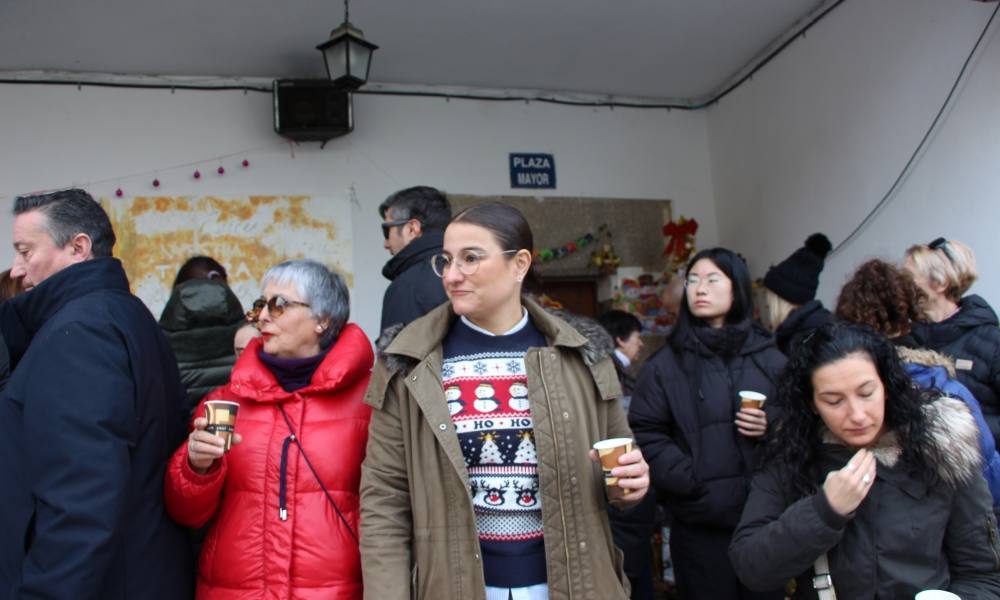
column 347, row 54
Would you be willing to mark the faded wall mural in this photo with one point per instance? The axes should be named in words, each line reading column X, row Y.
column 248, row 234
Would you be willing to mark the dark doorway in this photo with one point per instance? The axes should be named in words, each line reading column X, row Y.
column 578, row 295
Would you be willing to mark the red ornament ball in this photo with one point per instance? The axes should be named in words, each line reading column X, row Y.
column 197, row 174
column 221, row 170
column 246, row 163
column 119, row 192
column 156, row 183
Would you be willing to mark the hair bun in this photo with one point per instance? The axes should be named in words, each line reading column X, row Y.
column 819, row 245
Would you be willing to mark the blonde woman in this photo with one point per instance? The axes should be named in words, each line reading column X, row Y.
column 961, row 326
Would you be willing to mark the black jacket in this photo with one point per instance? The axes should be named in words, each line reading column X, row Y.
column 87, row 423
column 799, row 322
column 4, row 364
column 905, row 536
column 972, row 339
column 200, row 319
column 682, row 414
column 415, row 289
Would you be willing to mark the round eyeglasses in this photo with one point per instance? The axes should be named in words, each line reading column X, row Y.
column 467, row 262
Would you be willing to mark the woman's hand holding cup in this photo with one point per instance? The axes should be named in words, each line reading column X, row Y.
column 847, row 488
column 751, row 420
column 205, row 448
column 626, row 473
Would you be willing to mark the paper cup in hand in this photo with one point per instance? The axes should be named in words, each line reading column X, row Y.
column 609, row 451
column 750, row 399
column 936, row 595
column 221, row 415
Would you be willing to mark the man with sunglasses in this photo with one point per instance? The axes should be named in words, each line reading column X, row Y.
column 88, row 420
column 413, row 222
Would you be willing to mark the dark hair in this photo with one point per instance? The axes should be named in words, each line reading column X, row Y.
column 881, row 296
column 733, row 267
column 509, row 228
column 796, row 439
column 423, row 203
column 10, row 286
column 69, row 213
column 620, row 324
column 200, row 267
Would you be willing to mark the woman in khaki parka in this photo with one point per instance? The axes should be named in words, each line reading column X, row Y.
column 479, row 482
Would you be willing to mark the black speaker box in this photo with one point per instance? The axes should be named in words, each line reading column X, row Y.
column 311, row 110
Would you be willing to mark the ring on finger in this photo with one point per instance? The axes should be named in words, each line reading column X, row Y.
column 866, row 479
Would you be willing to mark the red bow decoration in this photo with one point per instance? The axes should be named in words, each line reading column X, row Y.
column 678, row 232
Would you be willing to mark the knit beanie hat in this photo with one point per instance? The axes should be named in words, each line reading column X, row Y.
column 796, row 278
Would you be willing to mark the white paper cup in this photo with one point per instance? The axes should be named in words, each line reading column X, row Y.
column 936, row 595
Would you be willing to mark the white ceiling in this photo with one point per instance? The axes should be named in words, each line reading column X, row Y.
column 638, row 48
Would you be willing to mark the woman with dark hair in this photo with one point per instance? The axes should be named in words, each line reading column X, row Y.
column 885, row 298
column 687, row 418
column 870, row 484
column 479, row 482
column 200, row 319
column 281, row 505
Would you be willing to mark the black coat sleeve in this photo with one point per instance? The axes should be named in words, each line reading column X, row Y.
column 777, row 540
column 79, row 422
column 971, row 543
column 670, row 465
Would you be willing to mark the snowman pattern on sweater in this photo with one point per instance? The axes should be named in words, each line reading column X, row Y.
column 492, row 416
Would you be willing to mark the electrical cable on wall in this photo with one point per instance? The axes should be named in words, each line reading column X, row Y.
column 923, row 142
column 546, row 99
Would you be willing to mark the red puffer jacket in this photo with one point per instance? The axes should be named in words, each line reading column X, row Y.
column 250, row 551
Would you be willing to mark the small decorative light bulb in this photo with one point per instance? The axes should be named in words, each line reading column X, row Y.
column 197, row 174
column 221, row 170
column 156, row 183
column 246, row 163
column 119, row 192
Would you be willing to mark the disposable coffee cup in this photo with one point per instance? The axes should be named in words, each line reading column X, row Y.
column 609, row 451
column 936, row 595
column 750, row 399
column 221, row 415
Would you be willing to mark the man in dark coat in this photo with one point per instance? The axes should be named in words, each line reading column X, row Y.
column 413, row 226
column 88, row 420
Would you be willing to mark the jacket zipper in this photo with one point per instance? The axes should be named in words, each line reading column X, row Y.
column 562, row 510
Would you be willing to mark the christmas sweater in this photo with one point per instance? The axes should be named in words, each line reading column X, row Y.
column 485, row 384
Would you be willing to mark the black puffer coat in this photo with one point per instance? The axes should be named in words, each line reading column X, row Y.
column 682, row 414
column 200, row 319
column 415, row 289
column 799, row 322
column 905, row 536
column 972, row 339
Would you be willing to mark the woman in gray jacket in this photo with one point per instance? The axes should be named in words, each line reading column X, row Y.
column 871, row 475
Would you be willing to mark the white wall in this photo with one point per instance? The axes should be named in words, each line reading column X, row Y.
column 817, row 137
column 57, row 136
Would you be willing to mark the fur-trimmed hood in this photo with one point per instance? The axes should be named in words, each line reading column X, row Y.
column 926, row 357
column 400, row 347
column 954, row 453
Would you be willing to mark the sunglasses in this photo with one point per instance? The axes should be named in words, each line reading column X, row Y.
column 276, row 307
column 942, row 245
column 387, row 225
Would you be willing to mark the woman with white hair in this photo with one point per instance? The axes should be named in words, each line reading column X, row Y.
column 963, row 327
column 282, row 503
